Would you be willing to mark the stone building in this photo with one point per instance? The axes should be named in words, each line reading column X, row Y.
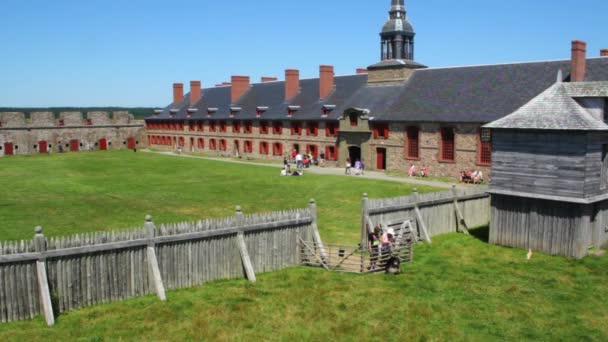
column 393, row 114
column 42, row 132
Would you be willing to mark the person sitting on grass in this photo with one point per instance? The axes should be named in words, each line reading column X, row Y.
column 477, row 177
column 424, row 171
column 412, row 171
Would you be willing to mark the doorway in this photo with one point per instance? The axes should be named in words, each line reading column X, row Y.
column 237, row 151
column 8, row 149
column 296, row 147
column 131, row 143
column 42, row 146
column 354, row 153
column 74, row 147
column 103, row 144
column 381, row 158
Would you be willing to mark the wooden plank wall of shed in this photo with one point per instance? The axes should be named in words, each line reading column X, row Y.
column 600, row 224
column 553, row 227
column 593, row 171
column 540, row 162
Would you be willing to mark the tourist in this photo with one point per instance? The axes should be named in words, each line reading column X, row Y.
column 362, row 166
column 387, row 241
column 347, row 169
column 285, row 162
column 424, row 171
column 284, row 171
column 373, row 243
column 299, row 161
column 294, row 153
column 322, row 159
column 477, row 177
column 357, row 167
column 412, row 171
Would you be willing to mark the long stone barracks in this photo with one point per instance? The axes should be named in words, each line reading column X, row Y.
column 393, row 114
column 43, row 132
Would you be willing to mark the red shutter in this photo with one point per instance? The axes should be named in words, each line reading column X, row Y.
column 375, row 131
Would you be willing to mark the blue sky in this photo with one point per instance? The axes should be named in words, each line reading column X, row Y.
column 129, row 52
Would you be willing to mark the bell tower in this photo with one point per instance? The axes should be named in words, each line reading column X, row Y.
column 396, row 48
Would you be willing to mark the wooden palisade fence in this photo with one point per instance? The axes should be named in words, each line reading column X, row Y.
column 54, row 275
column 435, row 213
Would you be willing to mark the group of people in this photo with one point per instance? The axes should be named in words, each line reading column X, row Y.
column 414, row 171
column 471, row 176
column 380, row 241
column 359, row 167
column 302, row 160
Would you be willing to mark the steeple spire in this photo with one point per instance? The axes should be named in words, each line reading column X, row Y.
column 397, row 34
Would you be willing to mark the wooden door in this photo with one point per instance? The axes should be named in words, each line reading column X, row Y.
column 8, row 149
column 43, row 147
column 103, row 144
column 74, row 147
column 131, row 143
column 381, row 159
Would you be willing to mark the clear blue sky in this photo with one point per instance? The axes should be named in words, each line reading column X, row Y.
column 129, row 52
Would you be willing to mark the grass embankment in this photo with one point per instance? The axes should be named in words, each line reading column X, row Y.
column 84, row 192
column 459, row 288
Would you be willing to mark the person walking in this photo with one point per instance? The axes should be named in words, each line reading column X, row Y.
column 362, row 166
column 299, row 161
column 347, row 170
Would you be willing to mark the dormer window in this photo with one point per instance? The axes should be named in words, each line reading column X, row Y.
column 192, row 111
column 172, row 112
column 354, row 120
column 158, row 112
column 260, row 111
column 291, row 110
column 211, row 111
column 327, row 109
column 235, row 110
column 296, row 128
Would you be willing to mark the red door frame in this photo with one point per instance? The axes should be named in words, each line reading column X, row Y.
column 103, row 144
column 131, row 143
column 8, row 149
column 74, row 145
column 43, row 147
column 381, row 158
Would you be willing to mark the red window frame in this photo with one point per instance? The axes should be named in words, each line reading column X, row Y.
column 313, row 149
column 236, row 126
column 212, row 126
column 201, row 143
column 192, row 125
column 212, row 144
column 223, row 126
column 277, row 149
column 447, row 150
column 248, row 127
column 248, row 146
column 381, row 131
column 331, row 152
column 312, row 128
column 263, row 147
column 412, row 145
column 223, row 145
column 277, row 127
column 331, row 129
column 296, row 128
column 200, row 126
column 484, row 147
column 263, row 127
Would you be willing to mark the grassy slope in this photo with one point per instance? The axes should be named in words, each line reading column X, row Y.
column 460, row 288
column 84, row 192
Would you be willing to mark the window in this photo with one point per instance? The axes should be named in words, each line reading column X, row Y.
column 212, row 126
column 248, row 146
column 236, row 127
column 484, row 151
column 446, row 152
column 312, row 149
column 192, row 126
column 354, row 119
column 381, row 131
column 412, row 148
column 277, row 149
column 296, row 128
column 200, row 127
column 212, row 144
column 263, row 147
column 201, row 143
column 222, row 145
column 88, row 122
column 331, row 153
column 312, row 128
column 248, row 127
column 277, row 127
column 331, row 129
column 263, row 127
column 222, row 126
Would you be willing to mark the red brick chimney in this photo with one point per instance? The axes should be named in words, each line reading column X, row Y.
column 579, row 61
column 292, row 83
column 265, row 79
column 361, row 71
column 326, row 80
column 195, row 91
column 240, row 84
column 604, row 52
column 178, row 92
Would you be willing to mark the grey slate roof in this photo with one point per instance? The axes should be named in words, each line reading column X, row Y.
column 475, row 94
column 554, row 109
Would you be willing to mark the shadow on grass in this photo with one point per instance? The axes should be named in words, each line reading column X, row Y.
column 481, row 233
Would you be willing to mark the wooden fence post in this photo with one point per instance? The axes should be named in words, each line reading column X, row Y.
column 43, row 283
column 459, row 217
column 155, row 277
column 312, row 207
column 364, row 220
column 240, row 240
column 421, row 223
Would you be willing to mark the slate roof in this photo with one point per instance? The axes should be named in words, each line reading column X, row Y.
column 470, row 94
column 554, row 109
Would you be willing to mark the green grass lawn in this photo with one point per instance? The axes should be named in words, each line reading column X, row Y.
column 458, row 288
column 85, row 192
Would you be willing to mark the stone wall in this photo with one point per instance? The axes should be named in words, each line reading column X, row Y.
column 12, row 119
column 42, row 119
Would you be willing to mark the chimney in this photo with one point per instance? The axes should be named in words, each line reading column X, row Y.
column 178, row 92
column 292, row 83
column 326, row 80
column 240, row 84
column 579, row 60
column 361, row 71
column 265, row 79
column 195, row 91
column 604, row 52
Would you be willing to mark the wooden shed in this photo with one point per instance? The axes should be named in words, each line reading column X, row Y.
column 550, row 172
